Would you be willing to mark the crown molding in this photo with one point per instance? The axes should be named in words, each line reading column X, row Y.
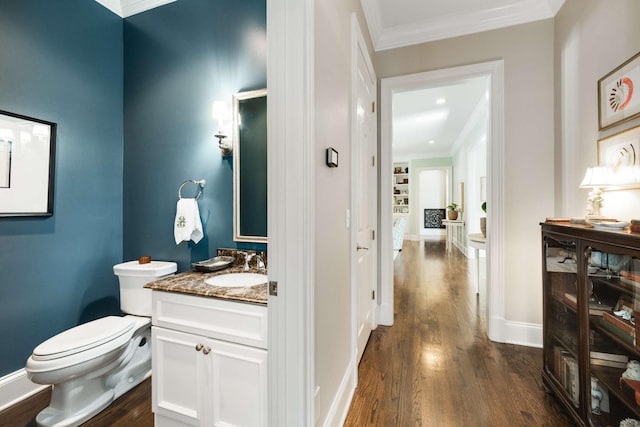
column 443, row 27
column 126, row 8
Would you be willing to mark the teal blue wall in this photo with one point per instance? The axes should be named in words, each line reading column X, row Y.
column 61, row 61
column 179, row 58
column 132, row 99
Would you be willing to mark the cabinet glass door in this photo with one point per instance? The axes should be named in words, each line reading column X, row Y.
column 613, row 287
column 561, row 355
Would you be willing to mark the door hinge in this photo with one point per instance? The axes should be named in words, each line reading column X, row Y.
column 373, row 161
column 373, row 234
column 273, row 288
column 373, row 107
column 373, row 294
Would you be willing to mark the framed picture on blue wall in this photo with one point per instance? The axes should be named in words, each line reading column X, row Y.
column 27, row 165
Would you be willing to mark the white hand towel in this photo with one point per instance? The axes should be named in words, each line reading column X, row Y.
column 187, row 225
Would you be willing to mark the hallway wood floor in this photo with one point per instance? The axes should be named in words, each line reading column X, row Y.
column 434, row 367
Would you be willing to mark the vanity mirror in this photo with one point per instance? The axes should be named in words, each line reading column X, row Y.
column 250, row 166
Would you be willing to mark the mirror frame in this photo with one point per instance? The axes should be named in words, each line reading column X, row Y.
column 238, row 236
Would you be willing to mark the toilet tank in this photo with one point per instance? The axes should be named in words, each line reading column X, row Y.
column 134, row 298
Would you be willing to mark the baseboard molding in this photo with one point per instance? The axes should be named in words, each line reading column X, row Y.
column 342, row 400
column 521, row 333
column 385, row 315
column 16, row 387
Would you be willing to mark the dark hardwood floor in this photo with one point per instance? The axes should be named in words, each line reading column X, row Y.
column 131, row 409
column 434, row 367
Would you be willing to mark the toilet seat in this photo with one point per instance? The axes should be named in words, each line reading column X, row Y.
column 102, row 333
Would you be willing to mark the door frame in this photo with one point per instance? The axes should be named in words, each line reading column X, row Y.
column 290, row 211
column 495, row 185
column 359, row 46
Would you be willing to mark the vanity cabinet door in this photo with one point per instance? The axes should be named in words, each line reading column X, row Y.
column 200, row 381
column 239, row 384
column 181, row 379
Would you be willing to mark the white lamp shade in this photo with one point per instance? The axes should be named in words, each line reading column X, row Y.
column 597, row 176
column 220, row 110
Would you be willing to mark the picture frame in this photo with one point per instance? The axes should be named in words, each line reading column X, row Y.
column 617, row 100
column 621, row 153
column 27, row 165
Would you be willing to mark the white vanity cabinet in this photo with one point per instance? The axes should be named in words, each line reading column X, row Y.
column 209, row 362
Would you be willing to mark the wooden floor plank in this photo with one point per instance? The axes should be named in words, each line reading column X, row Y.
column 436, row 366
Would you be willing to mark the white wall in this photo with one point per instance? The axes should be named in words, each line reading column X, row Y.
column 332, row 291
column 586, row 49
column 432, row 194
column 527, row 51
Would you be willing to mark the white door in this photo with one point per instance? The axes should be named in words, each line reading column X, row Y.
column 365, row 196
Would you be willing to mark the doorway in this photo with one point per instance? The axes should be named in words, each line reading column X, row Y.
column 494, row 71
column 434, row 193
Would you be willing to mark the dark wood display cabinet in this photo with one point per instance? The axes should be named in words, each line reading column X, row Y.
column 591, row 280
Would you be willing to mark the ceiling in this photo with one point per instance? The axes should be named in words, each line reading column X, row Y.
column 432, row 122
column 397, row 23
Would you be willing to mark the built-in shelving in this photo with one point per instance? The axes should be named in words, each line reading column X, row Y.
column 401, row 200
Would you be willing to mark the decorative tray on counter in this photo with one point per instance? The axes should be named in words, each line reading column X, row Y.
column 607, row 224
column 214, row 264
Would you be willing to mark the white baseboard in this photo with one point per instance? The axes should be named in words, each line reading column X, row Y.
column 16, row 387
column 342, row 401
column 385, row 314
column 526, row 334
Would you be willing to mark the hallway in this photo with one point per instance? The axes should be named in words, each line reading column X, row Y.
column 435, row 366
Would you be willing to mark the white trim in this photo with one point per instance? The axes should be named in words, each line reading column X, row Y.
column 521, row 333
column 16, row 387
column 126, row 8
column 385, row 250
column 339, row 408
column 495, row 184
column 442, row 27
column 495, row 203
column 291, row 203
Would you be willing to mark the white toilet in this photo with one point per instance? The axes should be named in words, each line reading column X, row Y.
column 93, row 364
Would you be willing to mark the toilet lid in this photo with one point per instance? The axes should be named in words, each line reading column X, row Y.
column 83, row 337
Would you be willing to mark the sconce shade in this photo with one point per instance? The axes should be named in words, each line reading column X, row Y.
column 220, row 111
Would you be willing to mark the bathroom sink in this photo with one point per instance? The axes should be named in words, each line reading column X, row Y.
column 236, row 280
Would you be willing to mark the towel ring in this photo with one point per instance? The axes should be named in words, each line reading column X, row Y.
column 200, row 183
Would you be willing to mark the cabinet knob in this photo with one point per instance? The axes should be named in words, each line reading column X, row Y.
column 199, row 347
column 206, row 350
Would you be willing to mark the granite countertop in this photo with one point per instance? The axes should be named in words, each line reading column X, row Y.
column 192, row 282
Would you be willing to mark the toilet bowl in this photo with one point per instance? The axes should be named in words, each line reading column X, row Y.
column 91, row 365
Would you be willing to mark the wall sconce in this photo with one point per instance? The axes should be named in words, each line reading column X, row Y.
column 221, row 114
column 596, row 178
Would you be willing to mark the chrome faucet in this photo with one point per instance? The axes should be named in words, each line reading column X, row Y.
column 260, row 263
column 248, row 257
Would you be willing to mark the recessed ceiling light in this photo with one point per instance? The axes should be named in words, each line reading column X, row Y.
column 432, row 142
column 441, row 101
